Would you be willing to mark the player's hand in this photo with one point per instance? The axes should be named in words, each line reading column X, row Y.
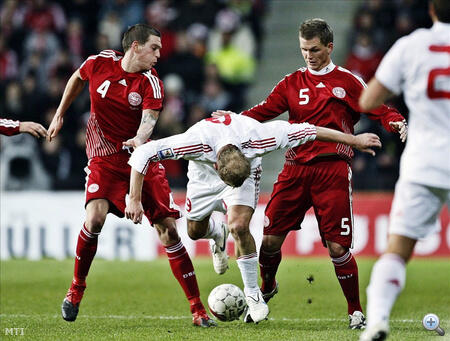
column 33, row 128
column 219, row 113
column 365, row 142
column 134, row 211
column 133, row 143
column 400, row 127
column 55, row 127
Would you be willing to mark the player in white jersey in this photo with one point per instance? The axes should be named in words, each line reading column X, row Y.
column 224, row 173
column 418, row 65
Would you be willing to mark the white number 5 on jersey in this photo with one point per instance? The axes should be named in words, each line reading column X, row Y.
column 103, row 88
column 303, row 96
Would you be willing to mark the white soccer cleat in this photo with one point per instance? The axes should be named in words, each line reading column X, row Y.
column 219, row 252
column 377, row 332
column 257, row 309
column 357, row 320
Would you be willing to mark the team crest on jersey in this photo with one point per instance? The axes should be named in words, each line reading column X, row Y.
column 134, row 99
column 165, row 153
column 339, row 92
column 93, row 188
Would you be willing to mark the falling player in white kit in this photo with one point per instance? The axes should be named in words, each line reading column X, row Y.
column 224, row 173
column 418, row 65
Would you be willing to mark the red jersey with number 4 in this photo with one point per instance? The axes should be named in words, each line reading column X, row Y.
column 117, row 100
column 328, row 98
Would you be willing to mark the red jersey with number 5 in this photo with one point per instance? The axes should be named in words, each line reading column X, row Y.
column 117, row 100
column 328, row 98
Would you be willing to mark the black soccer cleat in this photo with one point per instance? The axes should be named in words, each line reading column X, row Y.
column 69, row 311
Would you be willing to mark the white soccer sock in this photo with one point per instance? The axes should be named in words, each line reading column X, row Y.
column 248, row 264
column 214, row 229
column 386, row 282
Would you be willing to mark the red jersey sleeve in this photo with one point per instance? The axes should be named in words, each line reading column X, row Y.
column 384, row 114
column 9, row 127
column 153, row 91
column 87, row 67
column 275, row 104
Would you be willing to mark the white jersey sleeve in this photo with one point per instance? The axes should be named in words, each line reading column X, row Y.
column 269, row 136
column 188, row 145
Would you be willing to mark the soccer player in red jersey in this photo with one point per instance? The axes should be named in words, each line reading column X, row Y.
column 318, row 174
column 126, row 98
column 12, row 127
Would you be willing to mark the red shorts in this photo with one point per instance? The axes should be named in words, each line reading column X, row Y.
column 326, row 186
column 108, row 177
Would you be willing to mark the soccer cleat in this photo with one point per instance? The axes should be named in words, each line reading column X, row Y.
column 378, row 332
column 357, row 320
column 257, row 309
column 218, row 251
column 201, row 319
column 268, row 295
column 71, row 303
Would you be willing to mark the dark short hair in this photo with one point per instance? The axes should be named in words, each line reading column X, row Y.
column 139, row 33
column 442, row 10
column 316, row 27
column 233, row 167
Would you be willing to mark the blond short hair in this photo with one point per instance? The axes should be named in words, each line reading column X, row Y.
column 233, row 167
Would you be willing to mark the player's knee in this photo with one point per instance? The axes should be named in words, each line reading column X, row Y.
column 239, row 230
column 270, row 245
column 95, row 223
column 335, row 249
column 194, row 230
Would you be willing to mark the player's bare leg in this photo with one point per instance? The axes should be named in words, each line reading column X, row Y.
column 239, row 217
column 386, row 282
column 347, row 274
column 183, row 270
column 217, row 233
column 269, row 260
column 96, row 211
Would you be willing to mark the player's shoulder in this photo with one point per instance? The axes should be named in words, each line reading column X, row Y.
column 109, row 55
column 349, row 76
column 150, row 77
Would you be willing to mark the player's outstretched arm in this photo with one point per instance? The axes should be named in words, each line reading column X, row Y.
column 134, row 209
column 374, row 95
column 72, row 90
column 363, row 142
column 33, row 128
column 145, row 130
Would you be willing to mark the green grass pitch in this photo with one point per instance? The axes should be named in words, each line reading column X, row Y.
column 142, row 301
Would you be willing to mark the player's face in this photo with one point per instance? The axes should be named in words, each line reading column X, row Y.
column 316, row 55
column 148, row 54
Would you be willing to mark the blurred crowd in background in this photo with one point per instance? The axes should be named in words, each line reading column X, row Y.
column 211, row 51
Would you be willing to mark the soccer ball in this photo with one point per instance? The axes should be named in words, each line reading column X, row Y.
column 226, row 302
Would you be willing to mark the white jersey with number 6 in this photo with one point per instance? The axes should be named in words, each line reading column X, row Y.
column 419, row 66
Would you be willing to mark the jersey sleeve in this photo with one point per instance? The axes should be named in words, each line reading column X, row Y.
column 388, row 72
column 383, row 114
column 274, row 105
column 153, row 92
column 9, row 127
column 277, row 135
column 87, row 68
column 187, row 145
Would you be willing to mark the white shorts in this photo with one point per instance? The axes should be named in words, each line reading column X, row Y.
column 416, row 208
column 206, row 192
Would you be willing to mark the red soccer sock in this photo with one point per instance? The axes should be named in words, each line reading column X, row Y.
column 183, row 270
column 268, row 266
column 86, row 249
column 347, row 274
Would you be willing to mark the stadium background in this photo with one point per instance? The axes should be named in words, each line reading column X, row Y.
column 42, row 42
